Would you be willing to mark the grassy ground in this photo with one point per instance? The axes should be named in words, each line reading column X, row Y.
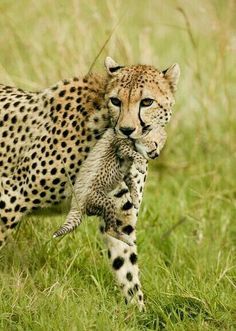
column 187, row 228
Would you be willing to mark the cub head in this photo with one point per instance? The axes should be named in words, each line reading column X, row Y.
column 151, row 145
column 139, row 97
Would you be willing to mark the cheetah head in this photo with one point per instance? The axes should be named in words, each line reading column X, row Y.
column 139, row 97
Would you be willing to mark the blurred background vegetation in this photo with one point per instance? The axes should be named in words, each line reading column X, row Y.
column 187, row 228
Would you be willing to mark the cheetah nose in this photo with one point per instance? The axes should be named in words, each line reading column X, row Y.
column 127, row 131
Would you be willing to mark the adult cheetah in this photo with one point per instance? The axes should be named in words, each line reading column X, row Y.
column 45, row 136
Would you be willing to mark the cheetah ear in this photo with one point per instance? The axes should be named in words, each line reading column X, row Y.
column 111, row 66
column 172, row 75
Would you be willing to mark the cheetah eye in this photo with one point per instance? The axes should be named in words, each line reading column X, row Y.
column 146, row 102
column 116, row 102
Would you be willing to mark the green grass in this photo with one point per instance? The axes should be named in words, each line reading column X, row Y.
column 187, row 229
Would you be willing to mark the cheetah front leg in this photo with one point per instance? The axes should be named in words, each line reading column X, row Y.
column 123, row 258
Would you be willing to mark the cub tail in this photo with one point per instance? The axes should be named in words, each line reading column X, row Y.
column 73, row 220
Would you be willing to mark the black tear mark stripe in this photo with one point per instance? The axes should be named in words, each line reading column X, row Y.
column 140, row 119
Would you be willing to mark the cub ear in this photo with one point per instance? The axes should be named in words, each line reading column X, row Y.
column 111, row 66
column 172, row 75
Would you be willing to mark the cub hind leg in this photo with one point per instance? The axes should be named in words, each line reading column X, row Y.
column 101, row 205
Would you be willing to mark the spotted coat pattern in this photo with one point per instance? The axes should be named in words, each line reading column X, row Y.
column 45, row 137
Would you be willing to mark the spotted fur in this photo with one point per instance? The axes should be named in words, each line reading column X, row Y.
column 45, row 137
column 108, row 165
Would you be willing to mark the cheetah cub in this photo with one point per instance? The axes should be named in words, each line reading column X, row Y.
column 107, row 165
